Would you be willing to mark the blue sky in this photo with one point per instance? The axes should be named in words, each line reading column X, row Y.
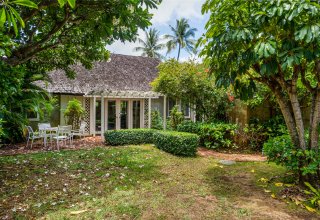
column 166, row 15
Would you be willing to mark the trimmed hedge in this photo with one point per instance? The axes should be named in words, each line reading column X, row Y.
column 129, row 136
column 177, row 143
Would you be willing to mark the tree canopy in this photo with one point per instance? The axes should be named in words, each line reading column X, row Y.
column 56, row 35
column 273, row 42
column 191, row 83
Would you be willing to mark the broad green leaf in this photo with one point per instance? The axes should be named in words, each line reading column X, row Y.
column 2, row 17
column 62, row 3
column 72, row 3
column 17, row 16
column 14, row 23
column 26, row 3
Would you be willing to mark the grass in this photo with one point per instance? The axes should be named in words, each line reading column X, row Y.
column 136, row 182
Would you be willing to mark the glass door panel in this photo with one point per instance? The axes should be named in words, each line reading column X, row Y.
column 124, row 115
column 98, row 115
column 136, row 114
column 111, row 115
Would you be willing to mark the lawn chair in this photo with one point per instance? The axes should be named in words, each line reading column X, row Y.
column 32, row 136
column 64, row 134
column 81, row 131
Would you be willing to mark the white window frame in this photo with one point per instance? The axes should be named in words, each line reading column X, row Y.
column 35, row 119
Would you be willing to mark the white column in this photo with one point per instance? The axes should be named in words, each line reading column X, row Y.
column 164, row 112
column 94, row 117
column 149, row 113
column 130, row 116
column 102, row 117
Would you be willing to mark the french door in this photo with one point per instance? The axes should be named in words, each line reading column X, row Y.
column 123, row 114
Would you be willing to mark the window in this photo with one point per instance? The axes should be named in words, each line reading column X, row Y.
column 171, row 103
column 185, row 108
column 33, row 115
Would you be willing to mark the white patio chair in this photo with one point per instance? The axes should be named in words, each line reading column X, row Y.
column 63, row 135
column 32, row 136
column 79, row 132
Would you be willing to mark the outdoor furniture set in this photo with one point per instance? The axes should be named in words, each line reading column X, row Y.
column 57, row 135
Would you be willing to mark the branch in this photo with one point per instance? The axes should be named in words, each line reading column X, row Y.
column 25, row 53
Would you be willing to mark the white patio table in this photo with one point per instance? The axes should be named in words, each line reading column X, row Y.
column 48, row 132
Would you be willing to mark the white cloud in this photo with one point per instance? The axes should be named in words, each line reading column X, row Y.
column 169, row 9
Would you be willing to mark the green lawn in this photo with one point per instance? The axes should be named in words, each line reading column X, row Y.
column 136, row 182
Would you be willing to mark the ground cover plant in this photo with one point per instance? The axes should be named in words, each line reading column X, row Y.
column 133, row 182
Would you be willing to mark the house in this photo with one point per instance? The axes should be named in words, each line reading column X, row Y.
column 116, row 94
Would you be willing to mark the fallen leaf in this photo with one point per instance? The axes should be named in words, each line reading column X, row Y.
column 264, row 180
column 78, row 212
column 267, row 191
column 252, row 171
column 278, row 184
column 273, row 195
column 310, row 209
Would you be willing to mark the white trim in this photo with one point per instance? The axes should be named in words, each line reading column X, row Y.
column 102, row 117
column 124, row 94
column 94, row 116
column 35, row 119
column 149, row 113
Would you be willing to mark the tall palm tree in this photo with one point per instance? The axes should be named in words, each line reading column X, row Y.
column 151, row 45
column 181, row 37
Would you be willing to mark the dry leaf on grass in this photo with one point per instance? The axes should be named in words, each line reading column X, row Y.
column 78, row 212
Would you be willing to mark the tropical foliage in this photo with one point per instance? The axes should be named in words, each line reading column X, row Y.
column 275, row 43
column 74, row 113
column 151, row 45
column 191, row 83
column 19, row 96
column 181, row 37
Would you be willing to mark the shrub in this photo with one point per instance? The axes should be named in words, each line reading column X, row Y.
column 281, row 151
column 217, row 135
column 253, row 135
column 212, row 135
column 156, row 120
column 176, row 117
column 189, row 126
column 129, row 136
column 74, row 113
column 177, row 143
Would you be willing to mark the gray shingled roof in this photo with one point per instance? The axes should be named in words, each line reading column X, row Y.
column 121, row 73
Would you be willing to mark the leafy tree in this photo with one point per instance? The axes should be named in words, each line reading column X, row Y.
column 190, row 83
column 181, row 37
column 151, row 46
column 272, row 42
column 74, row 113
column 57, row 35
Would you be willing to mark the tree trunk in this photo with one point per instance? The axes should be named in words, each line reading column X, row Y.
column 179, row 52
column 288, row 117
column 315, row 109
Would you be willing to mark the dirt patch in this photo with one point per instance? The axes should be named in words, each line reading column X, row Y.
column 84, row 143
column 204, row 152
